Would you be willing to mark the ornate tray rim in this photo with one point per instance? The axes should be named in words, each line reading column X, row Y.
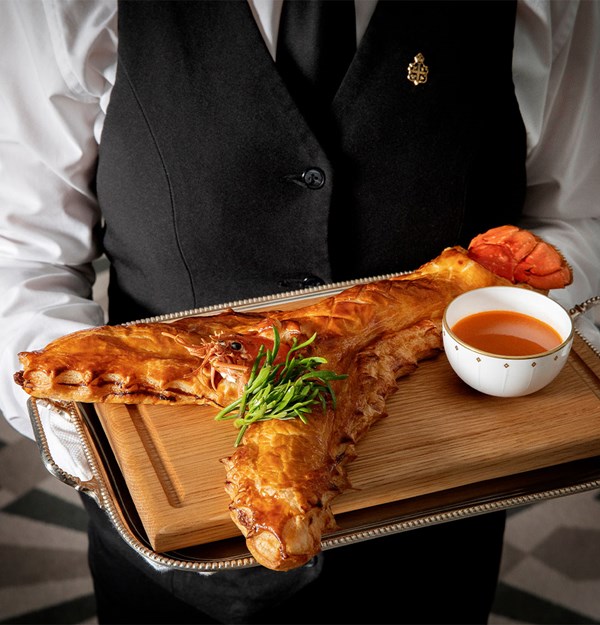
column 104, row 488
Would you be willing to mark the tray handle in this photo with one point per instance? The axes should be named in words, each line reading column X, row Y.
column 89, row 487
column 580, row 309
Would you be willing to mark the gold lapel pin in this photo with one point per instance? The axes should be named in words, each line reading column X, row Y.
column 418, row 71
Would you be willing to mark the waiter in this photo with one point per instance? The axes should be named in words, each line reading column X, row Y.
column 245, row 149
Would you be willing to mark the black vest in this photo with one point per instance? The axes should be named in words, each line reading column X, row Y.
column 214, row 188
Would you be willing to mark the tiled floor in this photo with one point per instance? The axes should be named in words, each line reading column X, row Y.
column 551, row 563
column 550, row 572
column 43, row 569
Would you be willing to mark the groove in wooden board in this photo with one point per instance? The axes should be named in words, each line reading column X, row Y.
column 587, row 364
column 439, row 434
column 158, row 454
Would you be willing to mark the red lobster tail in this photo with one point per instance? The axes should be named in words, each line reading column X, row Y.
column 521, row 257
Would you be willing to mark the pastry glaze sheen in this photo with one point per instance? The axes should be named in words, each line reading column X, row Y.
column 283, row 478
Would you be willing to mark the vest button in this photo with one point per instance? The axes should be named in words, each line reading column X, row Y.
column 314, row 178
column 311, row 281
column 300, row 282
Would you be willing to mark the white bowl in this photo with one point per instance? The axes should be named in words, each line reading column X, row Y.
column 506, row 376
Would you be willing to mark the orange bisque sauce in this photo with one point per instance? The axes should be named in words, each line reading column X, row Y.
column 507, row 333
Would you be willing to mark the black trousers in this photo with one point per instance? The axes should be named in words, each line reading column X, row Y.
column 445, row 573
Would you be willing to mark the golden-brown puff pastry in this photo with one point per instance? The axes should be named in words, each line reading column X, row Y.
column 284, row 476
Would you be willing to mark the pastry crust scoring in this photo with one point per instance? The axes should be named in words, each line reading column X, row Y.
column 283, row 478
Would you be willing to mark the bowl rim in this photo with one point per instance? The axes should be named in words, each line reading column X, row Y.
column 446, row 328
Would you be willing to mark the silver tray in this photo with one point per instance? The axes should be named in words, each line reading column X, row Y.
column 109, row 489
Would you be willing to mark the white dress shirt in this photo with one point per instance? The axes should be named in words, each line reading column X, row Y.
column 58, row 65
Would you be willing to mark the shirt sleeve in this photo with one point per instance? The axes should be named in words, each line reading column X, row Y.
column 557, row 81
column 50, row 109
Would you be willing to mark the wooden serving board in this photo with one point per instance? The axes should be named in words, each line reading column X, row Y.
column 439, row 434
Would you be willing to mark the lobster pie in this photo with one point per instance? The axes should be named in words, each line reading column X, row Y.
column 301, row 386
